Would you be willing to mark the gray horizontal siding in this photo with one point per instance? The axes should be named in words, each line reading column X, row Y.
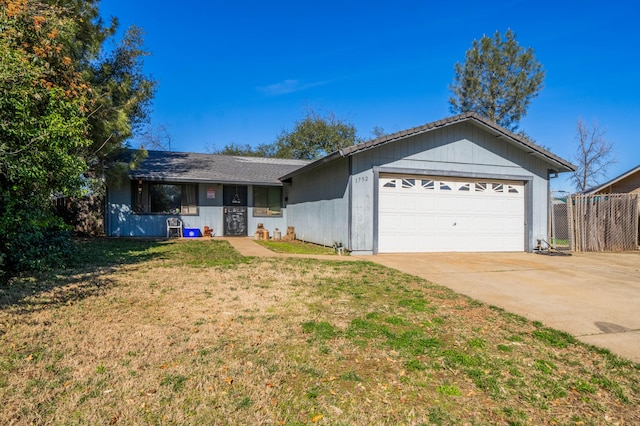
column 462, row 149
column 122, row 222
column 318, row 205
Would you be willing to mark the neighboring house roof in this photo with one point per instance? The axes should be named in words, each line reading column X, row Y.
column 192, row 167
column 560, row 164
column 613, row 181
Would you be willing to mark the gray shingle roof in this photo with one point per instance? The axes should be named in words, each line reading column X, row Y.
column 560, row 164
column 193, row 167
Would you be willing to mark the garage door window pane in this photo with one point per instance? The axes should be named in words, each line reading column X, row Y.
column 428, row 184
column 444, row 186
column 390, row 184
column 408, row 183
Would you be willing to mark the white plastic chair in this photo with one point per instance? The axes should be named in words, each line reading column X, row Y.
column 173, row 223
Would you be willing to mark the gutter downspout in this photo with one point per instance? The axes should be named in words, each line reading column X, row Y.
column 350, row 206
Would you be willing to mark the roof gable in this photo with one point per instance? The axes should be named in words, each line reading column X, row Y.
column 194, row 167
column 557, row 163
column 614, row 181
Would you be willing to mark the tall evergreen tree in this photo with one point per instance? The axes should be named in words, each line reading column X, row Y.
column 497, row 80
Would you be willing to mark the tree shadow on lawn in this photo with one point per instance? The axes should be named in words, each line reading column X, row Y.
column 86, row 276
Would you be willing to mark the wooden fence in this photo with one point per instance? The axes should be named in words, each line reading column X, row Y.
column 603, row 222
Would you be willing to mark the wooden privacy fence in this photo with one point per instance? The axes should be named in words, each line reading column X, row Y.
column 603, row 222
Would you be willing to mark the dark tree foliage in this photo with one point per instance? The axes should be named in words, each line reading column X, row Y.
column 497, row 80
column 314, row 137
column 246, row 150
column 67, row 107
column 311, row 138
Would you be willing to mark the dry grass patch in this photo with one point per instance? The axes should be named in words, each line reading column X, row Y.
column 192, row 333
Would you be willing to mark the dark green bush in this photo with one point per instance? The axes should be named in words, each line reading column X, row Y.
column 32, row 238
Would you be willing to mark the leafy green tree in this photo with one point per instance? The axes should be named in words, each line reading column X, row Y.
column 43, row 132
column 311, row 138
column 314, row 137
column 497, row 80
column 246, row 150
column 66, row 109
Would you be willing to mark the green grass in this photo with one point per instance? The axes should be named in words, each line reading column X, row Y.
column 183, row 332
column 448, row 390
column 320, row 330
column 105, row 252
column 559, row 242
column 296, row 247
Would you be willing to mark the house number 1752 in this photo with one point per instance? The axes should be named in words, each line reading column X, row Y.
column 362, row 179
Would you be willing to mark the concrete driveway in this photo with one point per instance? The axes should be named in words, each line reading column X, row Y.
column 593, row 296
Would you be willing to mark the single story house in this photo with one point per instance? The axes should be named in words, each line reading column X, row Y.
column 459, row 184
column 627, row 183
column 229, row 194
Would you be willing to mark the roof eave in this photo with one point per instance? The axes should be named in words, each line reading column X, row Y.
column 147, row 178
column 318, row 163
column 613, row 181
column 560, row 165
column 531, row 148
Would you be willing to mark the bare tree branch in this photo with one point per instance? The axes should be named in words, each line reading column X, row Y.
column 593, row 157
column 103, row 144
column 156, row 138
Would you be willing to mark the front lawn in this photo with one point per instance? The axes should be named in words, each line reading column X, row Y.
column 296, row 247
column 190, row 332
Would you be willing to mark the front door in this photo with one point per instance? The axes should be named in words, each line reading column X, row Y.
column 235, row 210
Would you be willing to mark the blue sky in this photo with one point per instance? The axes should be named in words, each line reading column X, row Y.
column 243, row 71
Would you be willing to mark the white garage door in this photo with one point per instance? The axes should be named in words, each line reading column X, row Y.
column 435, row 214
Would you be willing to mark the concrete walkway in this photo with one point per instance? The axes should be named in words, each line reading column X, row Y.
column 593, row 296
